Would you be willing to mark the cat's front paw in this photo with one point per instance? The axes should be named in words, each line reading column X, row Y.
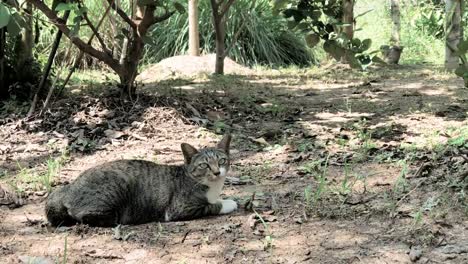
column 228, row 206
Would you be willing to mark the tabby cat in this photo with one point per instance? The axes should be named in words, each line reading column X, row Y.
column 138, row 191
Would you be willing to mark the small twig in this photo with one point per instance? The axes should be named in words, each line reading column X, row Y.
column 185, row 236
column 122, row 14
column 464, row 157
column 463, row 175
column 225, row 8
column 410, row 192
column 421, row 169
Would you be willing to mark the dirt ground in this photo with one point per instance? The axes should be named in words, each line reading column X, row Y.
column 329, row 166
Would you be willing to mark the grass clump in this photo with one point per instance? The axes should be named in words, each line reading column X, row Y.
column 264, row 38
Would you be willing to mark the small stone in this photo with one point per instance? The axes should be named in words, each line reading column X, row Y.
column 415, row 254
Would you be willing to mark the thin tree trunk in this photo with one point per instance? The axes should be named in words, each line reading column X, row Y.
column 123, row 54
column 133, row 54
column 393, row 52
column 453, row 30
column 27, row 38
column 194, row 36
column 348, row 18
column 81, row 54
column 220, row 47
column 54, row 83
column 395, row 12
column 48, row 66
column 3, row 88
column 219, row 13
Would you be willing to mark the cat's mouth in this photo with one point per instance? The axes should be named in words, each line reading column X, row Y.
column 215, row 178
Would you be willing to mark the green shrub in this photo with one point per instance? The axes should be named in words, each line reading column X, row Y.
column 264, row 38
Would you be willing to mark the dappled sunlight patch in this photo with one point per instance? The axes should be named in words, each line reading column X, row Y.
column 343, row 238
column 435, row 91
column 340, row 117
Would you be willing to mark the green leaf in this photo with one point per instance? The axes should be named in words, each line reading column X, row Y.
column 19, row 19
column 366, row 44
column 292, row 24
column 76, row 26
column 356, row 42
column 462, row 47
column 378, row 60
column 303, row 26
column 13, row 28
column 4, row 16
column 145, row 2
column 64, row 7
column 81, row 11
column 461, row 70
column 332, row 48
column 280, row 4
column 289, row 13
column 363, row 13
column 365, row 60
column 179, row 7
column 312, row 40
column 353, row 61
column 315, row 15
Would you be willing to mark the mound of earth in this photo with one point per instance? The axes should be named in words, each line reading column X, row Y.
column 189, row 66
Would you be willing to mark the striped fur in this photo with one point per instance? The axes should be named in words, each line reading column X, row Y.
column 137, row 191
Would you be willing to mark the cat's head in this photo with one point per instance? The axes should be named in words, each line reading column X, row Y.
column 208, row 164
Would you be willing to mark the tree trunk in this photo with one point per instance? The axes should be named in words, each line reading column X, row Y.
column 81, row 54
column 453, row 30
column 194, row 35
column 123, row 54
column 348, row 18
column 130, row 66
column 3, row 88
column 27, row 39
column 393, row 52
column 48, row 67
column 395, row 12
column 144, row 19
column 219, row 13
column 220, row 48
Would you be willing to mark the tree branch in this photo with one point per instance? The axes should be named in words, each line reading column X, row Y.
column 61, row 25
column 166, row 16
column 147, row 19
column 95, row 32
column 122, row 14
column 226, row 7
column 214, row 9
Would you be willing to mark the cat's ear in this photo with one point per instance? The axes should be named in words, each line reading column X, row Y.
column 224, row 143
column 188, row 152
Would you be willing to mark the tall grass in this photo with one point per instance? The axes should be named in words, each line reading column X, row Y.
column 264, row 38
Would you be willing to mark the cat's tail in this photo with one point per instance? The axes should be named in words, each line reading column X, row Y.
column 56, row 211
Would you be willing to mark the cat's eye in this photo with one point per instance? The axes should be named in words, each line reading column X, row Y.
column 222, row 161
column 203, row 166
